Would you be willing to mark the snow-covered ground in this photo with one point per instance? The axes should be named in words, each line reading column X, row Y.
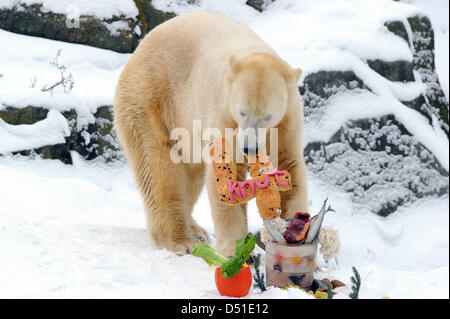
column 79, row 231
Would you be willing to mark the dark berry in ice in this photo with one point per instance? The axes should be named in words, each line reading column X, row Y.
column 296, row 280
column 277, row 268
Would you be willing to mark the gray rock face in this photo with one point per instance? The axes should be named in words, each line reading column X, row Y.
column 149, row 17
column 259, row 5
column 398, row 71
column 423, row 42
column 433, row 103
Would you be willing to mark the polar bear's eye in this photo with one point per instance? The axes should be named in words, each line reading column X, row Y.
column 242, row 113
column 268, row 118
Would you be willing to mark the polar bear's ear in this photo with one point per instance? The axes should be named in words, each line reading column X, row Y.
column 293, row 75
column 235, row 65
column 297, row 74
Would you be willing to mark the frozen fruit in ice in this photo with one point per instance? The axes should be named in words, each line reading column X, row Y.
column 297, row 260
column 277, row 267
column 279, row 257
column 298, row 228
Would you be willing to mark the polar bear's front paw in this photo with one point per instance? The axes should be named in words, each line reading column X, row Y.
column 198, row 232
column 195, row 234
column 181, row 242
column 184, row 247
column 179, row 238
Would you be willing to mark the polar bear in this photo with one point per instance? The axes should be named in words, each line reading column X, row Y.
column 208, row 67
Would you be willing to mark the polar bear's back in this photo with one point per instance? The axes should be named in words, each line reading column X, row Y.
column 202, row 36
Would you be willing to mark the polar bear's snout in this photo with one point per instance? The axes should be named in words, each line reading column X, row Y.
column 251, row 139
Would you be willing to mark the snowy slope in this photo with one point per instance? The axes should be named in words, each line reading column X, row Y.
column 79, row 231
column 95, row 72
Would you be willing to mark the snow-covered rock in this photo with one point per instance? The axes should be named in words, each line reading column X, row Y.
column 92, row 140
column 377, row 159
column 259, row 5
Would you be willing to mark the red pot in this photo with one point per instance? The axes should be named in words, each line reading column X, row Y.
column 236, row 286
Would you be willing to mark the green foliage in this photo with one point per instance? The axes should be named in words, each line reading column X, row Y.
column 330, row 292
column 259, row 277
column 244, row 247
column 356, row 284
column 232, row 266
column 208, row 254
column 259, row 242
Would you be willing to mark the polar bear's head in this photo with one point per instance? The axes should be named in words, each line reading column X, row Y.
column 260, row 86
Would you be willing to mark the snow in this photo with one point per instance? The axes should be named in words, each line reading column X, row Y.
column 116, row 27
column 103, row 9
column 94, row 245
column 49, row 131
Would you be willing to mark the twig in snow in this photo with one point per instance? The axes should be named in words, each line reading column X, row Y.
column 356, row 284
column 66, row 80
column 33, row 82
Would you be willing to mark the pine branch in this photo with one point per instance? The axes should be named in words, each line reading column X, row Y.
column 356, row 284
column 330, row 292
column 259, row 241
column 258, row 277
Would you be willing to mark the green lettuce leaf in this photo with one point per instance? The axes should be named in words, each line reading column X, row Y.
column 208, row 254
column 244, row 247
